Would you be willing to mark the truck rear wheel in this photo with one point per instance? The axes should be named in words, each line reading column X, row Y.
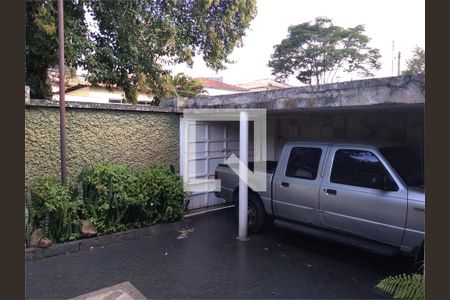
column 257, row 218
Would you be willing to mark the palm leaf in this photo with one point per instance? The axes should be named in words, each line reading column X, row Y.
column 404, row 286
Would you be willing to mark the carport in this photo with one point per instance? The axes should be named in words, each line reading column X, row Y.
column 383, row 109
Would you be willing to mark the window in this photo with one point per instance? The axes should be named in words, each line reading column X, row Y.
column 112, row 100
column 360, row 168
column 303, row 163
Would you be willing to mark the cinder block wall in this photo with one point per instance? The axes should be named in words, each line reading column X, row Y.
column 134, row 138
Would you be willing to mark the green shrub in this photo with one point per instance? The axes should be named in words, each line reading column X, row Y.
column 108, row 192
column 164, row 194
column 28, row 217
column 51, row 207
column 405, row 286
column 113, row 197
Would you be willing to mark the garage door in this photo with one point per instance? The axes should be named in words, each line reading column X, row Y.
column 206, row 144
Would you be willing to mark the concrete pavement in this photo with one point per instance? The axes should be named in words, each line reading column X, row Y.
column 206, row 261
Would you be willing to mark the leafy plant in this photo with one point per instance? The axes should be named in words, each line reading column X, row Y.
column 178, row 85
column 52, row 207
column 28, row 221
column 107, row 191
column 416, row 64
column 116, row 198
column 187, row 86
column 113, row 197
column 404, row 286
column 163, row 190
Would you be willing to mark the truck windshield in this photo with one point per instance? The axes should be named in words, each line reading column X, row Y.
column 407, row 161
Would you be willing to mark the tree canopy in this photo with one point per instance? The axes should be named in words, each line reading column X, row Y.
column 416, row 64
column 130, row 41
column 315, row 52
column 42, row 43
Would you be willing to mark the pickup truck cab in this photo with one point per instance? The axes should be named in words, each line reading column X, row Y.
column 369, row 196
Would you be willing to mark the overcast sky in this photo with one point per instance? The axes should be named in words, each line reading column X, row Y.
column 401, row 21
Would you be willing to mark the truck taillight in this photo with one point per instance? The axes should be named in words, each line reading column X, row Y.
column 216, row 176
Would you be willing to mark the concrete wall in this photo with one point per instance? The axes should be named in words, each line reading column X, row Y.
column 217, row 92
column 382, row 109
column 390, row 90
column 136, row 136
column 387, row 109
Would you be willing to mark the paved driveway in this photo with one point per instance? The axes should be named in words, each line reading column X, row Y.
column 210, row 263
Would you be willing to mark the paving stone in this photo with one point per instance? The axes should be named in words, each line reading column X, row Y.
column 211, row 263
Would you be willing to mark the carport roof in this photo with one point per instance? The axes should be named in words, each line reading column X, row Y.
column 407, row 89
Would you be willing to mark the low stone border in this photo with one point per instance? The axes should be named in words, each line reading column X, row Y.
column 86, row 244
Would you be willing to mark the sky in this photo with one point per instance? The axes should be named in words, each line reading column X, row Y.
column 401, row 21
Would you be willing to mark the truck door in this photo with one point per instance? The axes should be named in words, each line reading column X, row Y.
column 297, row 182
column 362, row 195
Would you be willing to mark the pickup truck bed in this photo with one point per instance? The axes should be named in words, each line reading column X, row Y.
column 270, row 166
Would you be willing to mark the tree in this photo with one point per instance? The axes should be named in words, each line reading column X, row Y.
column 179, row 85
column 186, row 86
column 316, row 52
column 132, row 40
column 416, row 64
column 42, row 44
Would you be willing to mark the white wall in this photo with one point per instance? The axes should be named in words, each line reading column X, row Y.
column 215, row 92
column 100, row 95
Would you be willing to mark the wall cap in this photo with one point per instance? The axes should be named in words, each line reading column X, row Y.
column 100, row 106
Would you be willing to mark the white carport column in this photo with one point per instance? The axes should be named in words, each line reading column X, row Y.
column 243, row 175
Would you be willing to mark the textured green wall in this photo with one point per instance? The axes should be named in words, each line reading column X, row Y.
column 136, row 139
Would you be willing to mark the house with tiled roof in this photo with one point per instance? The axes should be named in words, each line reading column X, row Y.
column 263, row 85
column 78, row 89
column 215, row 86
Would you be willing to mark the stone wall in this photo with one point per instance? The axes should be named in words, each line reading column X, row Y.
column 131, row 135
column 407, row 89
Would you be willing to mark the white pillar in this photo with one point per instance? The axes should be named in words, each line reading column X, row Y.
column 243, row 175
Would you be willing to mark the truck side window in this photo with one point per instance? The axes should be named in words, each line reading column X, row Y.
column 361, row 168
column 303, row 162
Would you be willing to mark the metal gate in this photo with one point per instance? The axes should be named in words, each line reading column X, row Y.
column 208, row 144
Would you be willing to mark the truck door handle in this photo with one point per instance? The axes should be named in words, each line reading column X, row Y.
column 331, row 192
column 285, row 184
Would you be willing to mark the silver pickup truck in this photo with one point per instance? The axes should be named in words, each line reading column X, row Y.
column 369, row 196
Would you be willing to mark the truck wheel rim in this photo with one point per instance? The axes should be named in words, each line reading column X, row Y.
column 251, row 214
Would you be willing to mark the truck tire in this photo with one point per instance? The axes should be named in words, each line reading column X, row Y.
column 257, row 218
